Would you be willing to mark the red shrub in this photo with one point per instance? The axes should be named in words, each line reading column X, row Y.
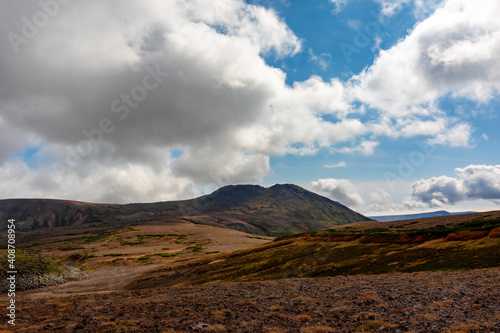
column 495, row 233
column 400, row 239
column 466, row 235
column 341, row 238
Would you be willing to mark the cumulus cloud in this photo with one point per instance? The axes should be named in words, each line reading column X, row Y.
column 380, row 200
column 455, row 50
column 473, row 182
column 104, row 91
column 458, row 136
column 341, row 190
column 144, row 78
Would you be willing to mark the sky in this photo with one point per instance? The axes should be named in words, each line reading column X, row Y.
column 387, row 106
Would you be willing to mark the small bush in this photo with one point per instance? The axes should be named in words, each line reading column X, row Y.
column 130, row 243
column 167, row 255
column 195, row 249
column 72, row 248
column 369, row 327
column 146, row 257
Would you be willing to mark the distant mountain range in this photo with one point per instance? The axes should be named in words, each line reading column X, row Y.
column 278, row 210
column 387, row 218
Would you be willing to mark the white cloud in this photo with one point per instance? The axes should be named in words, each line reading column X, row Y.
column 388, row 8
column 339, row 5
column 341, row 190
column 442, row 190
column 341, row 164
column 455, row 50
column 211, row 84
column 454, row 53
column 481, row 181
column 218, row 101
column 458, row 136
column 473, row 182
column 323, row 60
column 366, row 148
column 391, row 7
column 380, row 201
column 424, row 7
column 96, row 183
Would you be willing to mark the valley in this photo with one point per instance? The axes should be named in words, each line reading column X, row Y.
column 183, row 271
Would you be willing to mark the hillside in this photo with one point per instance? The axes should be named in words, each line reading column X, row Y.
column 469, row 242
column 400, row 276
column 459, row 302
column 275, row 211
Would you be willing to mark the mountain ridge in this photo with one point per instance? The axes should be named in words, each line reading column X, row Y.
column 279, row 210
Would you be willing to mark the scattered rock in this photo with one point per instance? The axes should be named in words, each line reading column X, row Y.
column 200, row 327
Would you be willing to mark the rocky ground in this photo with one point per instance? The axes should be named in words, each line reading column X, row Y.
column 463, row 301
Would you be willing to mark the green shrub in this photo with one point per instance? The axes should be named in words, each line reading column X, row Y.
column 369, row 327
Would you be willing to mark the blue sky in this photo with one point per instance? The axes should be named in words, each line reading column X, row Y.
column 339, row 30
column 388, row 106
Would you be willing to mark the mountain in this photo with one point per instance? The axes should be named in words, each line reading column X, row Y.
column 277, row 211
column 387, row 218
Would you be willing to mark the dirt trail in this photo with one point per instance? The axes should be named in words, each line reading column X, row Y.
column 104, row 279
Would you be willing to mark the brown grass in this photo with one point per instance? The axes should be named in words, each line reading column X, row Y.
column 495, row 233
column 466, row 328
column 439, row 304
column 304, row 317
column 427, row 317
column 217, row 328
column 316, row 329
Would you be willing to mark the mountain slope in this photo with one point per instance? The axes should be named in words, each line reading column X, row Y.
column 280, row 200
column 277, row 211
column 467, row 242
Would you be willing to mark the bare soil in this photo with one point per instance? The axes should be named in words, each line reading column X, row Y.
column 461, row 301
column 104, row 279
column 125, row 245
